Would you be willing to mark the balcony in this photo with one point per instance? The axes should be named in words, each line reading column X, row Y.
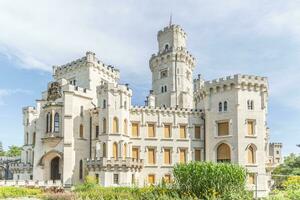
column 52, row 139
column 104, row 163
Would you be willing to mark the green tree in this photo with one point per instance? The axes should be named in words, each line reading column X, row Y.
column 2, row 152
column 13, row 151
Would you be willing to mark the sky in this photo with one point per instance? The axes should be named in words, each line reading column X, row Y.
column 226, row 37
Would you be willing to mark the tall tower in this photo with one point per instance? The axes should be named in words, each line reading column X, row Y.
column 172, row 69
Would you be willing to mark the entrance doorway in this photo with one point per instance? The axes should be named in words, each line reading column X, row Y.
column 54, row 174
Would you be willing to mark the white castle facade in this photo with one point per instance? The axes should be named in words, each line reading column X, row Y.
column 85, row 124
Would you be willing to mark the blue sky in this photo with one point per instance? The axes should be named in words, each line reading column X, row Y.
column 226, row 37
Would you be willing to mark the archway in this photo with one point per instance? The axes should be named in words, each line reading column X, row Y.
column 54, row 169
column 223, row 153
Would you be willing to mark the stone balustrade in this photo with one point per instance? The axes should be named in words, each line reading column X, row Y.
column 111, row 162
column 31, row 183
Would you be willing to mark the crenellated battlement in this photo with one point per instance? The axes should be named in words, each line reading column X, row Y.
column 165, row 110
column 179, row 55
column 238, row 81
column 115, row 88
column 88, row 60
column 174, row 28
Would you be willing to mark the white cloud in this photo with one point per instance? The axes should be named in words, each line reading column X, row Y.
column 8, row 92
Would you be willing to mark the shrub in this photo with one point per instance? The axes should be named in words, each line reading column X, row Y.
column 208, row 180
column 6, row 192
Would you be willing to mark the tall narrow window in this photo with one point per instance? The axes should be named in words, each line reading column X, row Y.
column 135, row 130
column 104, row 104
column 56, row 122
column 104, row 150
column 197, row 155
column 167, row 156
column 182, row 130
column 225, row 106
column 116, row 179
column 251, row 155
column 115, row 125
column 250, row 127
column 135, row 153
column 151, row 156
column 166, row 88
column 197, row 132
column 167, row 131
column 49, row 122
column 115, row 151
column 182, row 154
column 104, row 125
column 81, row 131
column 81, row 111
column 124, row 151
column 223, row 128
column 252, row 105
column 251, row 178
column 80, row 170
column 220, row 107
column 223, row 153
column 125, row 127
column 97, row 131
column 27, row 138
column 151, row 130
column 33, row 138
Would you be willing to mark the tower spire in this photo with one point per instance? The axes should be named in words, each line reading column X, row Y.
column 170, row 22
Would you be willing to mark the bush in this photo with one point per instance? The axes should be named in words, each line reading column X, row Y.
column 6, row 192
column 208, row 180
column 290, row 190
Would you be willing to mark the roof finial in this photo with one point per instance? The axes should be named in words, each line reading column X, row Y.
column 170, row 22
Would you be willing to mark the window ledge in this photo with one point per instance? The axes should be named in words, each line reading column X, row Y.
column 82, row 139
column 151, row 166
column 150, row 138
column 166, row 139
column 167, row 166
column 223, row 136
column 135, row 138
column 251, row 136
column 196, row 139
column 182, row 139
column 251, row 165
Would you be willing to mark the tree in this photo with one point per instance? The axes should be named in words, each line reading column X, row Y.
column 290, row 166
column 2, row 152
column 13, row 151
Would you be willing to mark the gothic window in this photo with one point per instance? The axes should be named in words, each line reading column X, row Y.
column 125, row 151
column 104, row 150
column 26, row 138
column 165, row 88
column 48, row 122
column 223, row 153
column 97, row 131
column 81, row 111
column 162, row 89
column 80, row 170
column 33, row 138
column 125, row 127
column 56, row 122
column 225, row 106
column 220, row 106
column 251, row 154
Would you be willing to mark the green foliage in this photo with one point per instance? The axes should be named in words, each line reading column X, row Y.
column 14, row 151
column 291, row 166
column 6, row 192
column 208, row 180
column 290, row 191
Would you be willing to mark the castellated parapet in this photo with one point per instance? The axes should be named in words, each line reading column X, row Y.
column 90, row 60
column 238, row 81
column 173, row 28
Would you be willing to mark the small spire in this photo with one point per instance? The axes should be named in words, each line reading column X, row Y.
column 170, row 22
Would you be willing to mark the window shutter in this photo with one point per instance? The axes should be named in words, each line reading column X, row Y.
column 250, row 128
column 182, row 156
column 135, row 153
column 151, row 179
column 151, row 156
column 135, row 129
column 167, row 131
column 197, row 132
column 167, row 156
column 151, row 130
column 197, row 155
column 223, row 128
column 182, row 132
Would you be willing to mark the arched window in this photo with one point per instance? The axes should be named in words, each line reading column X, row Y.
column 115, row 125
column 56, row 122
column 81, row 131
column 223, row 153
column 166, row 88
column 220, row 107
column 104, row 125
column 104, row 150
column 125, row 127
column 125, row 151
column 225, row 106
column 115, row 151
column 80, row 170
column 162, row 89
column 251, row 154
column 33, row 138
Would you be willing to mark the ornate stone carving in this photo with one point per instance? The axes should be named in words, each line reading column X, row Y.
column 54, row 91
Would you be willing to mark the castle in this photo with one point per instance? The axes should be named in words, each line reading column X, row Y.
column 85, row 123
